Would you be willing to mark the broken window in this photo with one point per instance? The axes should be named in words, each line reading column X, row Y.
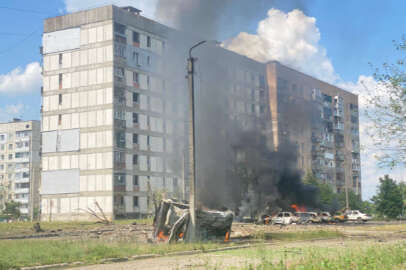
column 135, row 138
column 119, row 28
column 135, row 118
column 136, row 78
column 136, row 39
column 135, row 201
column 135, row 180
column 135, row 97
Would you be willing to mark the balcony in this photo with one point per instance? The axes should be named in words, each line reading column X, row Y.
column 22, row 200
column 22, row 190
column 119, row 165
column 22, row 180
column 22, row 139
column 338, row 113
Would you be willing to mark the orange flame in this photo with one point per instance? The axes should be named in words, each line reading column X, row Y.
column 298, row 208
column 227, row 237
column 181, row 235
column 162, row 236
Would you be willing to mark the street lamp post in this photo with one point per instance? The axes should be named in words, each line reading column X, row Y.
column 192, row 144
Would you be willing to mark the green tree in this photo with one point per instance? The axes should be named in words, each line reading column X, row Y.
column 12, row 210
column 388, row 201
column 387, row 110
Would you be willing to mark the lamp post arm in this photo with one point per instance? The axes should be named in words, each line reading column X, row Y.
column 196, row 45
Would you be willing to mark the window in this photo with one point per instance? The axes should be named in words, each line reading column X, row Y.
column 135, row 180
column 135, row 201
column 60, row 119
column 1, row 167
column 135, row 118
column 2, row 137
column 148, row 41
column 60, row 99
column 120, row 39
column 135, row 159
column 120, row 139
column 136, row 78
column 175, row 182
column 60, row 81
column 119, row 28
column 10, row 146
column 119, row 72
column 136, row 39
column 135, row 97
column 148, row 60
column 2, row 147
column 136, row 57
column 135, row 138
column 2, row 157
column 60, row 59
column 22, row 185
column 119, row 179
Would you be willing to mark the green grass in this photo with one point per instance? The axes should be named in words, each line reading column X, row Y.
column 294, row 236
column 24, row 228
column 369, row 257
column 20, row 253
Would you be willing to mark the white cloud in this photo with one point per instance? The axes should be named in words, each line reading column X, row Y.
column 290, row 38
column 147, row 6
column 11, row 111
column 21, row 80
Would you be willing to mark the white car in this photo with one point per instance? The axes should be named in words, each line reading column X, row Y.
column 356, row 215
column 284, row 218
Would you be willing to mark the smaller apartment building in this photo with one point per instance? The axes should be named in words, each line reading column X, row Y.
column 20, row 164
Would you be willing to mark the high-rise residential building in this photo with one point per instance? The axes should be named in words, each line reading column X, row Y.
column 20, row 165
column 114, row 121
column 322, row 120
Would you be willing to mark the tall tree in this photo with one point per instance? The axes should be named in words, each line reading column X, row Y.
column 387, row 111
column 388, row 201
column 12, row 209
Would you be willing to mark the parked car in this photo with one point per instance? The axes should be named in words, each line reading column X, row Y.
column 356, row 215
column 307, row 217
column 325, row 217
column 340, row 217
column 284, row 218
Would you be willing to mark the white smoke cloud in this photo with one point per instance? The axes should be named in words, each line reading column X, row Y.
column 290, row 38
column 21, row 80
column 147, row 6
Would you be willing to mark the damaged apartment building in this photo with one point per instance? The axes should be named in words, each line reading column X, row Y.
column 20, row 165
column 114, row 113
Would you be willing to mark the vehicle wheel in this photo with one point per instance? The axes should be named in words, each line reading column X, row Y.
column 359, row 220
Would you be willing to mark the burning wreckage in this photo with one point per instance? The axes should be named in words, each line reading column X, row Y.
column 172, row 223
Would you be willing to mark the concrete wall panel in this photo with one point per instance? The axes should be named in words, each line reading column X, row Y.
column 60, row 182
column 62, row 40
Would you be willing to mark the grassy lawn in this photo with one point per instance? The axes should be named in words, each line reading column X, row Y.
column 24, row 228
column 361, row 256
column 20, row 253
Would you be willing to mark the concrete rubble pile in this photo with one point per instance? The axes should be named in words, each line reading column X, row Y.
column 172, row 221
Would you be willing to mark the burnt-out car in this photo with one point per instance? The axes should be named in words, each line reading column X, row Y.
column 325, row 217
column 307, row 217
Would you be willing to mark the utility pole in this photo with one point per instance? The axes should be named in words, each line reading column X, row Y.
column 192, row 146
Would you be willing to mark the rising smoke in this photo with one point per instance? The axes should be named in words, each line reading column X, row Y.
column 236, row 166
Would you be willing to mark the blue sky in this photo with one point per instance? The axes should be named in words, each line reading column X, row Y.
column 352, row 35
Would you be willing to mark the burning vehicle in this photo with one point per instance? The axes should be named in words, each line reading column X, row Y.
column 307, row 217
column 325, row 217
column 172, row 222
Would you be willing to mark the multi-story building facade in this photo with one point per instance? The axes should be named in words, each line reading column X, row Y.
column 322, row 120
column 114, row 121
column 108, row 130
column 20, row 165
